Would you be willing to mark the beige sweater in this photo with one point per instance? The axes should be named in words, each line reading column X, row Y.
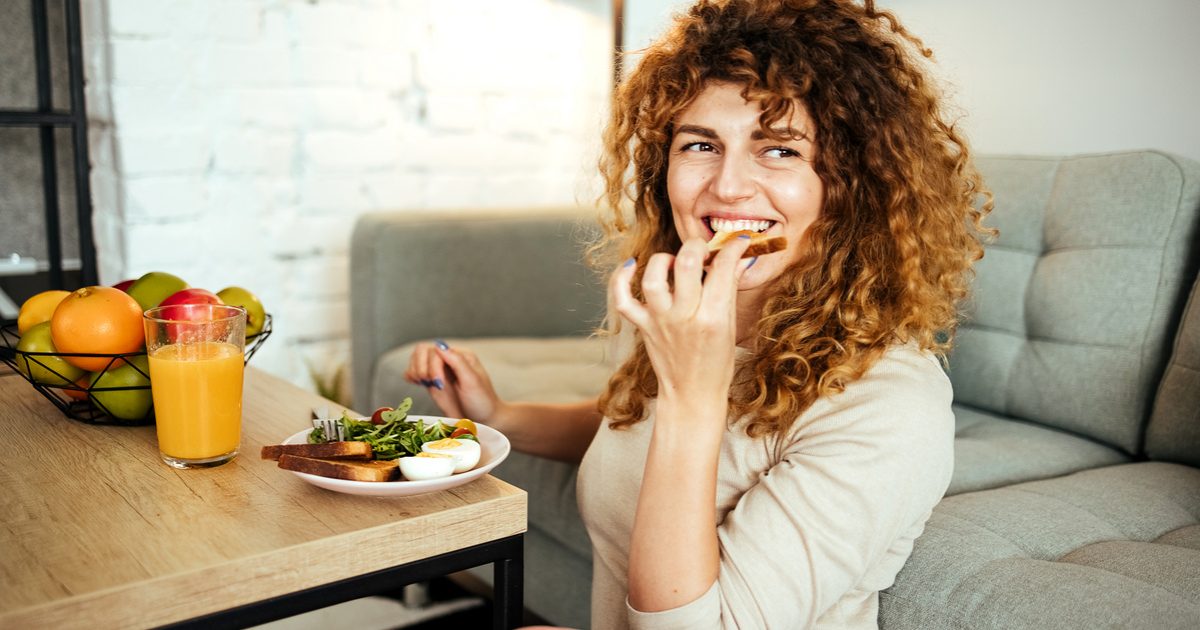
column 809, row 530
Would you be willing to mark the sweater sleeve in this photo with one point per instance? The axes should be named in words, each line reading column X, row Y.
column 862, row 468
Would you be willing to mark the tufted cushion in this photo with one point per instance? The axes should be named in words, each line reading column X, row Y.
column 1174, row 431
column 1115, row 547
column 1017, row 451
column 1074, row 305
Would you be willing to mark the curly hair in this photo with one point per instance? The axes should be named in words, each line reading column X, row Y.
column 890, row 256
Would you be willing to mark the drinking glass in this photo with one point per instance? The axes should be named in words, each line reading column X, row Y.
column 196, row 371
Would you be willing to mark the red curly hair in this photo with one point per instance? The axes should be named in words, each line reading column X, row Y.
column 891, row 254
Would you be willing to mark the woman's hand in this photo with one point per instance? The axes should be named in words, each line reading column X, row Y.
column 689, row 333
column 461, row 387
column 456, row 380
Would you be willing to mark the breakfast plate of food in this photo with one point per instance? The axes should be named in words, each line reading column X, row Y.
column 391, row 454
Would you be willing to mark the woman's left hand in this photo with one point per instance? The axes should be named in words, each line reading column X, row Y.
column 690, row 333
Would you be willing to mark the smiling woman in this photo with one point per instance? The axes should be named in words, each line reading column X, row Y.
column 725, row 174
column 774, row 441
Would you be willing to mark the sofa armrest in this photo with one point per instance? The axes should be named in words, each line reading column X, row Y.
column 420, row 276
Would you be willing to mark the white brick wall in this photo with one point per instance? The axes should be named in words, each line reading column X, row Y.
column 236, row 141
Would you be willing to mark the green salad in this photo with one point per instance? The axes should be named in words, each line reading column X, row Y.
column 395, row 436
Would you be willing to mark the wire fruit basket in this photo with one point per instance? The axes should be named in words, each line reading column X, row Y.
column 83, row 400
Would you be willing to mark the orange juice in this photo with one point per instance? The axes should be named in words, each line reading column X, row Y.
column 197, row 389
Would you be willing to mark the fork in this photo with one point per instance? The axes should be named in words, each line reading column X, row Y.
column 334, row 431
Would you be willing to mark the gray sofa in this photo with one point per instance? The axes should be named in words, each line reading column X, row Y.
column 1075, row 501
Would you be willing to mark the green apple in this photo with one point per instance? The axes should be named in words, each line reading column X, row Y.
column 48, row 370
column 256, row 315
column 126, row 404
column 151, row 289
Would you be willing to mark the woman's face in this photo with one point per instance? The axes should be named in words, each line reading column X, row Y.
column 724, row 175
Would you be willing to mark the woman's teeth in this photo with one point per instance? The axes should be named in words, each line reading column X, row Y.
column 734, row 225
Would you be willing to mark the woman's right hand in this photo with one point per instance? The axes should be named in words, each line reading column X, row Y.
column 456, row 380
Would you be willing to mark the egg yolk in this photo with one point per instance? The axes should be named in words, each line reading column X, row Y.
column 444, row 443
column 428, row 454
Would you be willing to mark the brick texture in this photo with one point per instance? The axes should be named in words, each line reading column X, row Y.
column 235, row 142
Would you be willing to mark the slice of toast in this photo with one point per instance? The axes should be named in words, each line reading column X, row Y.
column 760, row 244
column 328, row 450
column 351, row 470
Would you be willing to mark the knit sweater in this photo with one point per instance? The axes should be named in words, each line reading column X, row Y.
column 810, row 527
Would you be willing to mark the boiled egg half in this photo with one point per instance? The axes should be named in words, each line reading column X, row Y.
column 425, row 466
column 465, row 452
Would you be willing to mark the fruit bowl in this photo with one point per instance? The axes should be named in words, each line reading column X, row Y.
column 83, row 402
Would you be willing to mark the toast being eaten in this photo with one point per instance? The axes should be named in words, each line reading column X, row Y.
column 328, row 450
column 350, row 470
column 760, row 244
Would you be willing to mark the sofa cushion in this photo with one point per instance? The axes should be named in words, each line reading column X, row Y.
column 1114, row 547
column 417, row 275
column 1074, row 305
column 556, row 369
column 1174, row 431
column 991, row 451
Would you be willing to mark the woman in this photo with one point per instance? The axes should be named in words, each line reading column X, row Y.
column 779, row 433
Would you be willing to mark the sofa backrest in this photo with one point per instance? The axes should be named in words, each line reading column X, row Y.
column 419, row 276
column 1174, row 430
column 1074, row 306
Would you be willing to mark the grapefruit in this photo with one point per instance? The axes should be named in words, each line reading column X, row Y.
column 100, row 320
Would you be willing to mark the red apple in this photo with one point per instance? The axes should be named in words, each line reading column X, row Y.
column 125, row 284
column 177, row 314
column 191, row 296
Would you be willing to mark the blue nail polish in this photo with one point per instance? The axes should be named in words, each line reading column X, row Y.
column 752, row 261
column 442, row 345
column 426, row 382
column 437, row 382
column 745, row 236
column 629, row 263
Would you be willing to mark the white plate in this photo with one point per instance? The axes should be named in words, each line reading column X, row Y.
column 492, row 442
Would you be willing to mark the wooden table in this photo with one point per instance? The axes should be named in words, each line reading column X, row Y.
column 97, row 532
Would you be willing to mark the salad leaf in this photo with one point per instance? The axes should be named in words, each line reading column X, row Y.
column 396, row 437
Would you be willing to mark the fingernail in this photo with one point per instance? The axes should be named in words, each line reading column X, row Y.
column 442, row 345
column 426, row 382
column 437, row 382
column 745, row 236
column 629, row 263
column 752, row 261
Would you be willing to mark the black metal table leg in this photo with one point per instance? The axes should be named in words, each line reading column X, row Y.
column 508, row 589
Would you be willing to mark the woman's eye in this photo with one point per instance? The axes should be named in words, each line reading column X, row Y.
column 697, row 146
column 780, row 152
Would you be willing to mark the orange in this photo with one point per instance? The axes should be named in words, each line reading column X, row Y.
column 82, row 384
column 99, row 320
column 38, row 309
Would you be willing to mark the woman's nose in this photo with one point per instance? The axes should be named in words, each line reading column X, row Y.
column 733, row 180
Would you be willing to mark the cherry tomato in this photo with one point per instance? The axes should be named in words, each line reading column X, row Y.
column 377, row 417
column 466, row 426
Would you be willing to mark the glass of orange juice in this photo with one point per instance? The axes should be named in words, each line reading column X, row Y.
column 196, row 367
